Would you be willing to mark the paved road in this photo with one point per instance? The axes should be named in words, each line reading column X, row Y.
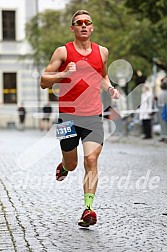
column 39, row 214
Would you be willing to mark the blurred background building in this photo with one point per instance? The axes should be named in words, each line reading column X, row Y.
column 19, row 82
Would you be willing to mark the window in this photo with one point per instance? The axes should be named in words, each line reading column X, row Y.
column 9, row 88
column 8, row 25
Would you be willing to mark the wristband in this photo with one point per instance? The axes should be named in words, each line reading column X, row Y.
column 108, row 89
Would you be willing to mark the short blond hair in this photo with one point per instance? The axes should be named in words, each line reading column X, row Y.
column 79, row 12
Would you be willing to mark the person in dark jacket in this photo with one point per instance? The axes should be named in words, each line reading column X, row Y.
column 22, row 116
column 47, row 110
column 162, row 100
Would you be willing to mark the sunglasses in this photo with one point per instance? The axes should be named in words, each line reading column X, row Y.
column 80, row 22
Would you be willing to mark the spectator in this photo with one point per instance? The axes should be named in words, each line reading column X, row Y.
column 47, row 110
column 22, row 116
column 162, row 100
column 146, row 111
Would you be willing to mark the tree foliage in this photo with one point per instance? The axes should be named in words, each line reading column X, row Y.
column 154, row 10
column 45, row 32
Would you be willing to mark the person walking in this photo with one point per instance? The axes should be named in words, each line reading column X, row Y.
column 162, row 101
column 22, row 116
column 145, row 113
column 47, row 111
column 81, row 69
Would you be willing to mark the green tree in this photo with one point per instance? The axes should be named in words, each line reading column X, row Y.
column 45, row 32
column 151, row 17
column 154, row 10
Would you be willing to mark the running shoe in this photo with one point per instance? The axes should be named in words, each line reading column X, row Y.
column 88, row 218
column 60, row 173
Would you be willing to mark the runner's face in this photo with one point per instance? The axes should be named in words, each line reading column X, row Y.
column 82, row 32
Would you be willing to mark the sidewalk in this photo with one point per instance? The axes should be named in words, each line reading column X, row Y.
column 130, row 139
column 39, row 214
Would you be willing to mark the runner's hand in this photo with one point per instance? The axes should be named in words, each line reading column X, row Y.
column 71, row 68
column 115, row 94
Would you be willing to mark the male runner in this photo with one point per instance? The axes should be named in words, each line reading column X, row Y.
column 80, row 107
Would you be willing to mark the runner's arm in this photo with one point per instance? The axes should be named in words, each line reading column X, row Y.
column 50, row 75
column 105, row 83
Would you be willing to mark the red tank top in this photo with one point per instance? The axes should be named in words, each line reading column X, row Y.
column 80, row 94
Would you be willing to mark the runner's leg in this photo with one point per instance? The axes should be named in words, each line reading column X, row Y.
column 90, row 163
column 90, row 182
column 69, row 163
column 70, row 159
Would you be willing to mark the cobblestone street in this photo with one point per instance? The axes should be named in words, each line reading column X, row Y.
column 39, row 214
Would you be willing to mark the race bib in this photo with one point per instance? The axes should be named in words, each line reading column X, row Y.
column 65, row 130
